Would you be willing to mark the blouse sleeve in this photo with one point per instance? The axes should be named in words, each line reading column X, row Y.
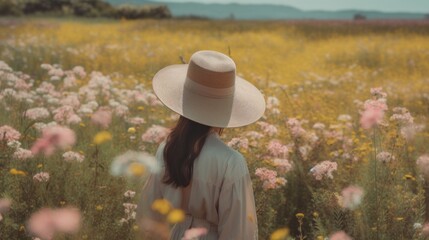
column 237, row 213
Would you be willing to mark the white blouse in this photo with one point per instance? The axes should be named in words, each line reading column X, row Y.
column 221, row 196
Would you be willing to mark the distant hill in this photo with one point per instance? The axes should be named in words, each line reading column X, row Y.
column 265, row 11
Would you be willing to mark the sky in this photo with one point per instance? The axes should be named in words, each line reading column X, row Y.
column 420, row 6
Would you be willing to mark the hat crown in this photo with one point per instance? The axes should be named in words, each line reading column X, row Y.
column 213, row 61
column 211, row 74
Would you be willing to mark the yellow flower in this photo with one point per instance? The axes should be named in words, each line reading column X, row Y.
column 13, row 171
column 102, row 137
column 136, row 169
column 161, row 205
column 141, row 108
column 280, row 234
column 135, row 228
column 315, row 214
column 62, row 202
column 176, row 216
column 299, row 215
column 243, row 150
column 132, row 130
column 399, row 219
column 319, row 237
column 409, row 177
column 99, row 207
column 82, row 124
column 39, row 165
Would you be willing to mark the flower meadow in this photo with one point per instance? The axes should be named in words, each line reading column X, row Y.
column 341, row 152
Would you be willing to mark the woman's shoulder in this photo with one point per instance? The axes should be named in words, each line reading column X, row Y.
column 215, row 145
column 233, row 161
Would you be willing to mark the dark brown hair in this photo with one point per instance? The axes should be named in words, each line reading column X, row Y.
column 183, row 145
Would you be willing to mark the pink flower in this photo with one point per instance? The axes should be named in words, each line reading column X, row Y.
column 239, row 143
column 265, row 174
column 378, row 92
column 254, row 135
column 283, row 165
column 194, row 233
column 351, row 197
column 155, row 134
column 267, row 128
column 4, row 206
column 66, row 115
column 340, row 235
column 8, row 133
column 71, row 100
column 295, row 127
column 121, row 110
column 53, row 138
column 269, row 178
column 66, row 220
column 46, row 88
column 323, row 169
column 41, row 177
column 41, row 224
column 102, row 117
column 79, row 71
column 37, row 113
column 277, row 149
column 402, row 116
column 272, row 102
column 20, row 84
column 425, row 229
column 22, row 154
column 373, row 113
column 46, row 222
column 409, row 131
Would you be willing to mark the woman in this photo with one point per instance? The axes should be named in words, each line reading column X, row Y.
column 201, row 175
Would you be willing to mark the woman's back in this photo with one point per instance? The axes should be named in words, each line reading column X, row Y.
column 207, row 179
column 220, row 197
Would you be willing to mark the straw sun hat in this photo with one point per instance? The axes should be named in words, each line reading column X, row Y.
column 208, row 91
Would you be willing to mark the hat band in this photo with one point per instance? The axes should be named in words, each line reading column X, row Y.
column 208, row 91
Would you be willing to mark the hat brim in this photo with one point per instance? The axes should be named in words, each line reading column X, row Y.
column 244, row 107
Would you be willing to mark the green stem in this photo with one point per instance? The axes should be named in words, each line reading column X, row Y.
column 375, row 182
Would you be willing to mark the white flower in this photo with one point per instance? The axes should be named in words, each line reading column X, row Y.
column 417, row 226
column 73, row 156
column 129, row 194
column 344, row 118
column 14, row 144
column 123, row 164
column 319, row 126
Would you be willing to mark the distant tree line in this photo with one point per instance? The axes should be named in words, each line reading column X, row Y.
column 84, row 8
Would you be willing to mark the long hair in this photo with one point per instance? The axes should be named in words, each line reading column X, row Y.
column 183, row 145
